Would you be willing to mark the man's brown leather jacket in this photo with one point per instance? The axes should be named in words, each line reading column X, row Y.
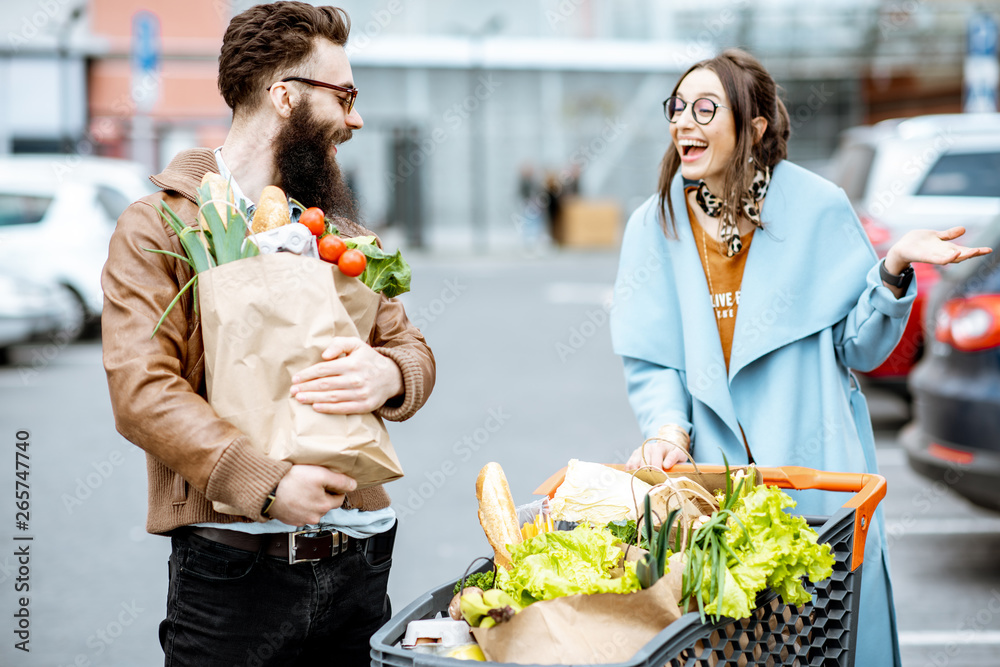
column 157, row 383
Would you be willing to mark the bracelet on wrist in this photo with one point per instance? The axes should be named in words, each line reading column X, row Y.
column 269, row 502
column 676, row 435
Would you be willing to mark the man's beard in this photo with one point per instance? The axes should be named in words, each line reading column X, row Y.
column 306, row 166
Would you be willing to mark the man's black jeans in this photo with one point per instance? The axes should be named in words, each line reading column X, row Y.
column 232, row 608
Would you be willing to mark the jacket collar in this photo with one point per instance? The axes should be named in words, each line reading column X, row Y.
column 184, row 173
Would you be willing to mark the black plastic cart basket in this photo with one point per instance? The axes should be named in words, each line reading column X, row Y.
column 820, row 633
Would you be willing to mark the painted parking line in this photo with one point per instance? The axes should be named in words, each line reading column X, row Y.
column 951, row 526
column 946, row 638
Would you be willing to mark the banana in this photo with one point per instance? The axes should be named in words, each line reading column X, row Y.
column 498, row 599
column 493, row 598
column 487, row 608
column 473, row 608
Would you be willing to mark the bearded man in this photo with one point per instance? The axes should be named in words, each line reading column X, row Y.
column 235, row 596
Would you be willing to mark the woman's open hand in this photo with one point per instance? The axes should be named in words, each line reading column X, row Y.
column 931, row 247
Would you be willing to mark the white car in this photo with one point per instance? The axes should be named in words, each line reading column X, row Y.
column 57, row 213
column 31, row 310
column 927, row 172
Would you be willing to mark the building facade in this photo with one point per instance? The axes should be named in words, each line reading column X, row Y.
column 462, row 100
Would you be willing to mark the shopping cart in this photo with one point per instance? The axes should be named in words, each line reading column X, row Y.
column 822, row 632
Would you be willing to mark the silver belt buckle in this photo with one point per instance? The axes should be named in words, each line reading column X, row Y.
column 338, row 542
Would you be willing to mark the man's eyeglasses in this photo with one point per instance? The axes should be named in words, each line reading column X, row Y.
column 702, row 108
column 352, row 92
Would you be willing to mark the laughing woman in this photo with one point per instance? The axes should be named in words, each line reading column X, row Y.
column 746, row 292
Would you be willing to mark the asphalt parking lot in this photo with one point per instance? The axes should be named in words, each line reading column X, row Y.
column 526, row 377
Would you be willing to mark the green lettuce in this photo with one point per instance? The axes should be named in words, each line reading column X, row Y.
column 626, row 532
column 777, row 549
column 387, row 273
column 560, row 563
column 737, row 601
column 780, row 544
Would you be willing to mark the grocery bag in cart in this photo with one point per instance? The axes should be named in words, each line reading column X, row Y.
column 822, row 631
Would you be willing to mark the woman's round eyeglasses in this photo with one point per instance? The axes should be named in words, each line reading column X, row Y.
column 702, row 108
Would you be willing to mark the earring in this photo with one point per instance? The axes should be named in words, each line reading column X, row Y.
column 750, row 161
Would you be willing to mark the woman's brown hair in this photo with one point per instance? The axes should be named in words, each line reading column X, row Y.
column 752, row 93
column 265, row 42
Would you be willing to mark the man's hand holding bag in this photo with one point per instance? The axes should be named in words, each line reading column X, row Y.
column 269, row 318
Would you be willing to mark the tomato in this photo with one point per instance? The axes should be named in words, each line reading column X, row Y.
column 352, row 262
column 331, row 247
column 315, row 220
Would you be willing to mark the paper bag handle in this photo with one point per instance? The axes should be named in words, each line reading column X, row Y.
column 468, row 570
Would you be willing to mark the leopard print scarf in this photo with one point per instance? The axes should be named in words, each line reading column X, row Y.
column 728, row 229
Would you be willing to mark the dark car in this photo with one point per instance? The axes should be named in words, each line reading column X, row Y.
column 955, row 434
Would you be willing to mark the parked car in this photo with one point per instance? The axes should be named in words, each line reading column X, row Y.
column 31, row 310
column 57, row 213
column 955, row 434
column 927, row 172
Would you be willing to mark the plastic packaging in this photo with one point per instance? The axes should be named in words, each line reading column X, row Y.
column 534, row 518
column 527, row 513
column 293, row 237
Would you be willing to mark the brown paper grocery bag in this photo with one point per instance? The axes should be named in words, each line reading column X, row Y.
column 265, row 318
column 691, row 493
column 585, row 629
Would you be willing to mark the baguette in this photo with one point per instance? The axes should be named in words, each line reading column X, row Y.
column 497, row 513
column 272, row 210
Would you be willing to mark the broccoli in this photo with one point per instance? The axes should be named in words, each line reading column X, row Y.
column 483, row 580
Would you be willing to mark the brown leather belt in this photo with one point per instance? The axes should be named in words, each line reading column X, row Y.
column 299, row 547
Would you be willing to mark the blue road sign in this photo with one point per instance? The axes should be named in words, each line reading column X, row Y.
column 145, row 56
column 982, row 70
column 982, row 35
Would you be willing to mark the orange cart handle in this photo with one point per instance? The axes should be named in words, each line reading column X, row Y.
column 869, row 490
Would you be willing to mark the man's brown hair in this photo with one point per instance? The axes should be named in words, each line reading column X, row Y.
column 267, row 42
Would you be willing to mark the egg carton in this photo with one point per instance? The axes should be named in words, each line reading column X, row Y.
column 293, row 237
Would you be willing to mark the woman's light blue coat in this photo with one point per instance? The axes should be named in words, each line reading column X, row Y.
column 812, row 307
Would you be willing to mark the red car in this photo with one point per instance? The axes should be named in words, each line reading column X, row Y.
column 895, row 370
